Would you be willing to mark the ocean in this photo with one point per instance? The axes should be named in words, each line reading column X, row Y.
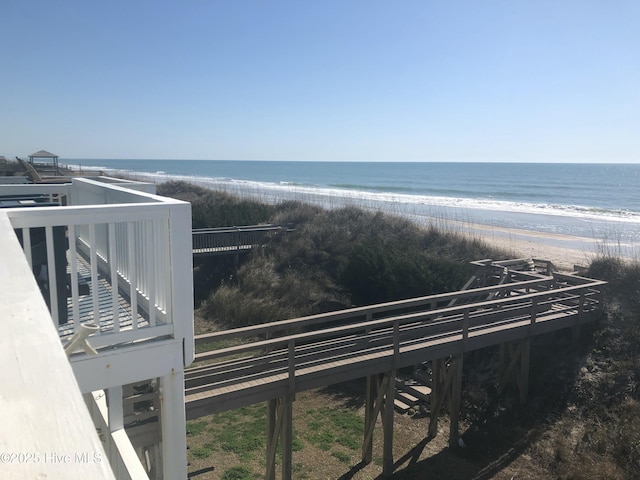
column 582, row 206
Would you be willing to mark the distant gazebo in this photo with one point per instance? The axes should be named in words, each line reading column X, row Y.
column 43, row 154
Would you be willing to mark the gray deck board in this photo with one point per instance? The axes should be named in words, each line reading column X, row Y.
column 106, row 316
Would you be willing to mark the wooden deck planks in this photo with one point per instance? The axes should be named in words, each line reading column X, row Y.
column 86, row 308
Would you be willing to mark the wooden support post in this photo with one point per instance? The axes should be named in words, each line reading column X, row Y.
column 575, row 330
column 454, row 400
column 519, row 355
column 286, row 438
column 456, row 386
column 446, row 386
column 436, row 393
column 369, row 419
column 378, row 388
column 387, row 425
column 514, row 352
column 272, row 438
column 280, row 426
column 575, row 335
column 173, row 421
column 523, row 381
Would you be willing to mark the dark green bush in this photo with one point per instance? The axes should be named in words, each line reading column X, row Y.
column 217, row 209
column 377, row 273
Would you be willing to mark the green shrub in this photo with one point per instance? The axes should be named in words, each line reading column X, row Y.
column 217, row 209
column 377, row 273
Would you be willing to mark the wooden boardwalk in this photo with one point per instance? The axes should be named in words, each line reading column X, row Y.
column 232, row 240
column 273, row 362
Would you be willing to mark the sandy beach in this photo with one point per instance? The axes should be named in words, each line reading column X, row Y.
column 564, row 251
column 544, row 246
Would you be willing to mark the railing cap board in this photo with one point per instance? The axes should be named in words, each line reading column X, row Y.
column 360, row 311
column 445, row 312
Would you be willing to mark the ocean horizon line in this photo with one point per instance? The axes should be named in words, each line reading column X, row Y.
column 488, row 162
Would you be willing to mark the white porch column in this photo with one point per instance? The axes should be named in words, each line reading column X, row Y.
column 115, row 410
column 173, row 424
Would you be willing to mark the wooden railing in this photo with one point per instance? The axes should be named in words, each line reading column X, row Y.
column 217, row 241
column 267, row 361
column 524, row 283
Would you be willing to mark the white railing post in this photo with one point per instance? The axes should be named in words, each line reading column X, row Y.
column 181, row 268
column 173, row 424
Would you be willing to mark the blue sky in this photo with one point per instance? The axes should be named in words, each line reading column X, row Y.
column 322, row 80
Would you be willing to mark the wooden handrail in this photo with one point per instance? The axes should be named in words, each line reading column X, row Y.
column 370, row 310
column 520, row 305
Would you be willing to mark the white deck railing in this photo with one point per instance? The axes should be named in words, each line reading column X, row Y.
column 114, row 254
column 116, row 237
column 46, row 429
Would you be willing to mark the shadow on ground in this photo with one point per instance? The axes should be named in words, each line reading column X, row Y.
column 499, row 431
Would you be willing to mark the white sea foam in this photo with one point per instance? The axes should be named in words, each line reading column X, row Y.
column 578, row 224
column 294, row 191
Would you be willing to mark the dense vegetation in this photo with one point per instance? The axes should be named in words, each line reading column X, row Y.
column 333, row 259
column 582, row 420
column 217, row 209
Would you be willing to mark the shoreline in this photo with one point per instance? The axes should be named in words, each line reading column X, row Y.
column 563, row 250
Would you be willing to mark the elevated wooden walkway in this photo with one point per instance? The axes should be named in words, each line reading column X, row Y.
column 272, row 362
column 232, row 240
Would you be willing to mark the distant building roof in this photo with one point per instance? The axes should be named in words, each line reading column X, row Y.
column 43, row 154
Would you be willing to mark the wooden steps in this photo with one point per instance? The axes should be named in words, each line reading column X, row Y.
column 409, row 394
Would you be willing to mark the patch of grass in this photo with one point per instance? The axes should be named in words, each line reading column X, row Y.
column 343, row 457
column 296, row 443
column 240, row 431
column 301, row 471
column 329, row 427
column 196, row 428
column 323, row 439
column 237, row 473
column 208, row 347
column 200, row 452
